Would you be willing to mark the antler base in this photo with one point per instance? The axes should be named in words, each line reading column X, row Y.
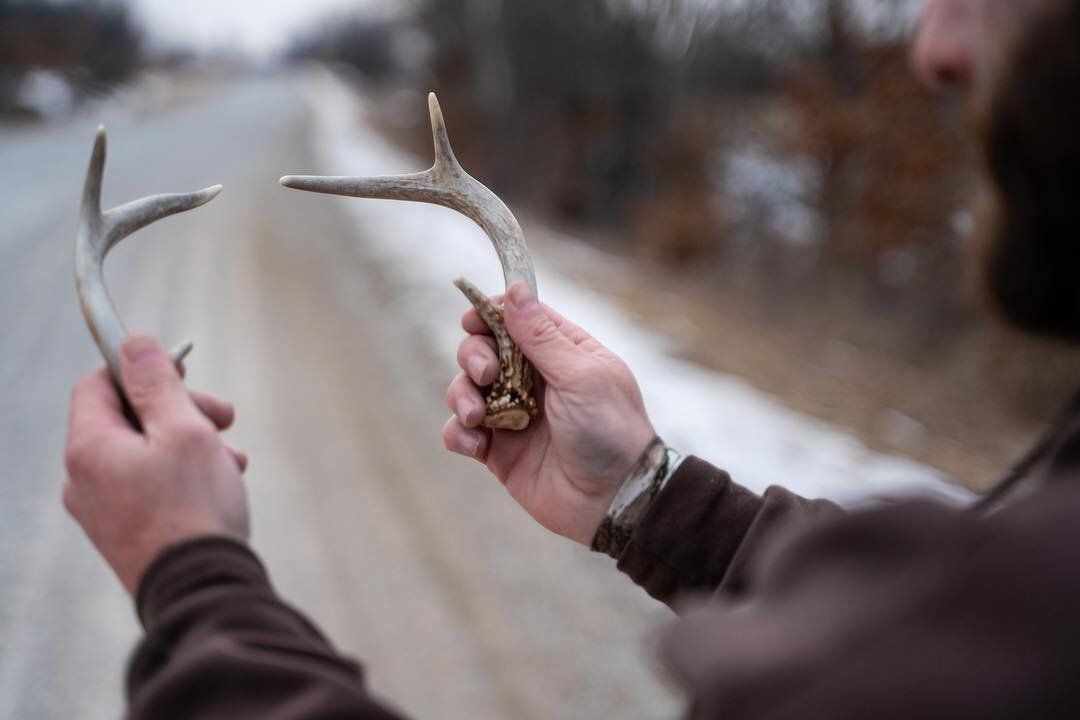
column 509, row 404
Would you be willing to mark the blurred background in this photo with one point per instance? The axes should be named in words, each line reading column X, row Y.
column 752, row 201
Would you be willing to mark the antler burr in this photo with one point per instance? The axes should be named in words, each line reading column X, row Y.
column 98, row 233
column 509, row 402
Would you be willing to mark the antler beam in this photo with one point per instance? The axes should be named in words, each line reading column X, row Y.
column 510, row 405
column 98, row 233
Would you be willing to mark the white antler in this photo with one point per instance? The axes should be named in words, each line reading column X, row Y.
column 98, row 233
column 510, row 405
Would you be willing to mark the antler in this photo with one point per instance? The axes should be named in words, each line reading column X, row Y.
column 98, row 233
column 510, row 405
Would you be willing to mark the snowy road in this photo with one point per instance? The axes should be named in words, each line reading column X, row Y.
column 315, row 316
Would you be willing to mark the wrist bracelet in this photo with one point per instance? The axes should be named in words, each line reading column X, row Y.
column 644, row 482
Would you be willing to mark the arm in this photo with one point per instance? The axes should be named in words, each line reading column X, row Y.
column 221, row 644
column 699, row 531
column 167, row 509
column 704, row 532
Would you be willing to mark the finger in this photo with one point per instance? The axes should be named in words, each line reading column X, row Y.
column 544, row 336
column 477, row 356
column 152, row 383
column 240, row 458
column 464, row 400
column 567, row 328
column 96, row 405
column 219, row 412
column 471, row 443
column 473, row 324
column 96, row 426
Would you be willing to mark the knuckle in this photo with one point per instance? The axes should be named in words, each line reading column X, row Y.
column 449, row 432
column 541, row 330
column 145, row 390
column 82, row 386
column 69, row 497
column 453, row 390
column 77, row 455
column 463, row 353
column 193, row 436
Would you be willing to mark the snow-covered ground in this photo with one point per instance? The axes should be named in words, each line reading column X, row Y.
column 420, row 248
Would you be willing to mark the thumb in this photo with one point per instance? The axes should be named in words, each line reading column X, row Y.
column 152, row 383
column 536, row 331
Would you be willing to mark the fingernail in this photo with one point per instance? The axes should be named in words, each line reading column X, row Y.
column 477, row 368
column 464, row 411
column 467, row 443
column 139, row 348
column 520, row 296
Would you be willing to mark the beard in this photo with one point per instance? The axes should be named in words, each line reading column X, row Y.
column 1028, row 235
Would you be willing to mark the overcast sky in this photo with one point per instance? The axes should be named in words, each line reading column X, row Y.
column 258, row 27
column 263, row 27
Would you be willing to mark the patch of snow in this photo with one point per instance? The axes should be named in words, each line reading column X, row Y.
column 420, row 248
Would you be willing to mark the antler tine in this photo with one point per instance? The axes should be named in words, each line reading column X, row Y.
column 446, row 183
column 509, row 403
column 98, row 234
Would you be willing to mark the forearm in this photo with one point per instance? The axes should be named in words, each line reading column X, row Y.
column 703, row 532
column 221, row 644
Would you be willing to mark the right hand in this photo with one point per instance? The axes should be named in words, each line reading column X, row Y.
column 134, row 493
column 565, row 469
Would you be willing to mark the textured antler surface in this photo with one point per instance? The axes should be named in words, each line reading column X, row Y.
column 98, row 233
column 510, row 405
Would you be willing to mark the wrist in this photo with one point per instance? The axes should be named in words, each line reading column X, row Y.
column 634, row 496
column 192, row 565
column 145, row 552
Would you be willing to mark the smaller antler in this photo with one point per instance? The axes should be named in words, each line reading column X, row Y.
column 98, row 233
column 510, row 405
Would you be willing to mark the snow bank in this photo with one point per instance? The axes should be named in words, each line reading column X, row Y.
column 420, row 248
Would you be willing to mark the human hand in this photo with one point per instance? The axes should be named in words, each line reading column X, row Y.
column 134, row 494
column 567, row 466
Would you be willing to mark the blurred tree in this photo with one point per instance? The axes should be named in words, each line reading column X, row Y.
column 592, row 98
column 366, row 45
column 94, row 45
column 892, row 164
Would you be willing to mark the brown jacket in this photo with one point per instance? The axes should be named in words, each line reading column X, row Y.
column 909, row 611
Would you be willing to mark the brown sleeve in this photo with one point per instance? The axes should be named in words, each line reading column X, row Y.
column 703, row 532
column 221, row 644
